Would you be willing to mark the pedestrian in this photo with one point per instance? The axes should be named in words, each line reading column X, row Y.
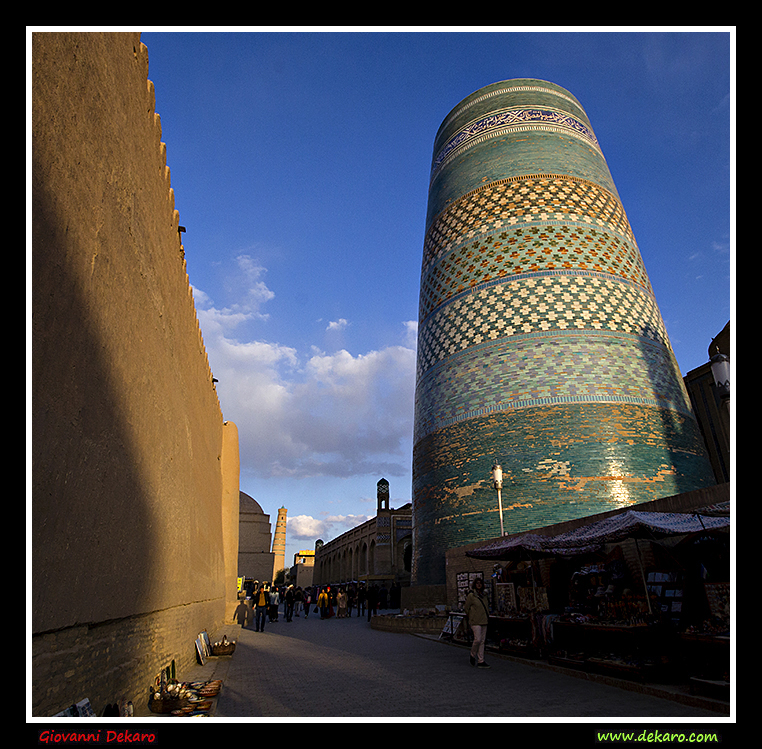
column 322, row 603
column 361, row 596
column 262, row 603
column 307, row 602
column 298, row 600
column 383, row 595
column 351, row 595
column 477, row 614
column 341, row 600
column 289, row 602
column 395, row 596
column 274, row 603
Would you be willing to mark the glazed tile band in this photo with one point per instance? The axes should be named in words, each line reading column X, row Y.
column 510, row 120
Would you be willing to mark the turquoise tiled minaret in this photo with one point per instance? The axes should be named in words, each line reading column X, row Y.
column 540, row 343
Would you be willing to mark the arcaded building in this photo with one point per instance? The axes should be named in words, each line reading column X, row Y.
column 541, row 346
column 378, row 551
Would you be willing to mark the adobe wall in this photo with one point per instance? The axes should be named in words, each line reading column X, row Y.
column 135, row 476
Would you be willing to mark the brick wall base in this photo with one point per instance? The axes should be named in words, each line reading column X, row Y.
column 116, row 659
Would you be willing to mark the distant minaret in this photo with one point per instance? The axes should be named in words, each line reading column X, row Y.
column 279, row 542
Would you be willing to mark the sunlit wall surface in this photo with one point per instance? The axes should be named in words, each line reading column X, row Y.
column 540, row 343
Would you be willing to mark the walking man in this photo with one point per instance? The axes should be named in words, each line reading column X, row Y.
column 262, row 603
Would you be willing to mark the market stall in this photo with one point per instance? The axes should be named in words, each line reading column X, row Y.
column 629, row 595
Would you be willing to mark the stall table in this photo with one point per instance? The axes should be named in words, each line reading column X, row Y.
column 637, row 652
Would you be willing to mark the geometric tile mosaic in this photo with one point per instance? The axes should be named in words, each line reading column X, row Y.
column 559, row 462
column 538, row 303
column 518, row 201
column 535, row 370
column 529, row 249
column 536, row 88
column 540, row 343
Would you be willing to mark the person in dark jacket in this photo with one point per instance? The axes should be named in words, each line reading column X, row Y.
column 290, row 599
column 372, row 601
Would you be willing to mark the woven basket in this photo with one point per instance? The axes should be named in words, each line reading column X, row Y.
column 166, row 706
column 223, row 649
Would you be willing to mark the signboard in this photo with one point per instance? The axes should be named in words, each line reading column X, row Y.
column 506, row 597
column 464, row 581
column 454, row 623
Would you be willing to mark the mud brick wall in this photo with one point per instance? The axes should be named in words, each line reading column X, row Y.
column 135, row 472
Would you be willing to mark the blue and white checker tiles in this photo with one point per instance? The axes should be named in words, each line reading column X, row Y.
column 533, row 291
column 540, row 342
column 532, row 370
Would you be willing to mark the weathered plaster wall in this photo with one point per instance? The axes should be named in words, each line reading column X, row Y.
column 135, row 479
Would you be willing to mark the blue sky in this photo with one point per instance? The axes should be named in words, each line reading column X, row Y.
column 300, row 164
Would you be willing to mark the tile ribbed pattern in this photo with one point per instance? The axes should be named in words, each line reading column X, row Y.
column 540, row 342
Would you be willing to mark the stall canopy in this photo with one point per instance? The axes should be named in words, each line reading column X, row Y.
column 591, row 538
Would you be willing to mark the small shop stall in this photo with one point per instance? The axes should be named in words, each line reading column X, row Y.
column 630, row 595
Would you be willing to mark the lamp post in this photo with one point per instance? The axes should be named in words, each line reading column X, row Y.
column 721, row 376
column 497, row 478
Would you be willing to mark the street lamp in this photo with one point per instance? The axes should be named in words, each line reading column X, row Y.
column 721, row 374
column 497, row 479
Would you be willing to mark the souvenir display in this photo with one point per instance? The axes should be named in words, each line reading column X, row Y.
column 184, row 698
column 639, row 595
column 223, row 647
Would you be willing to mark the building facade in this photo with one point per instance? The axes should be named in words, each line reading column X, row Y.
column 540, row 346
column 301, row 572
column 255, row 559
column 379, row 550
column 712, row 407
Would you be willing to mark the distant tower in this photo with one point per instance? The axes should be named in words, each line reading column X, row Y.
column 383, row 549
column 279, row 542
column 382, row 495
column 540, row 344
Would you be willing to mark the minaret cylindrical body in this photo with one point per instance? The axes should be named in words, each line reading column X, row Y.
column 540, row 343
column 279, row 542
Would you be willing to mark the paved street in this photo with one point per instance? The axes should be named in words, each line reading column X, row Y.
column 342, row 668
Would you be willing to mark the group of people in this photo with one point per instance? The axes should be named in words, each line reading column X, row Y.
column 327, row 601
column 340, row 601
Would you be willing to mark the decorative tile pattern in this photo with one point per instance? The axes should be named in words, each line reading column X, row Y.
column 559, row 462
column 535, row 370
column 512, row 203
column 500, row 122
column 540, row 343
column 509, row 89
column 538, row 303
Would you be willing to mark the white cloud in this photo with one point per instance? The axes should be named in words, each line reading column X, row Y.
column 246, row 288
column 308, row 527
column 305, row 526
column 339, row 324
column 319, row 414
column 411, row 334
column 254, row 291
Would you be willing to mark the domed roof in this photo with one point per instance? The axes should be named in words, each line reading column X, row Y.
column 249, row 504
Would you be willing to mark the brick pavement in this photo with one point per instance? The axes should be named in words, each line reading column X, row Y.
column 342, row 668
